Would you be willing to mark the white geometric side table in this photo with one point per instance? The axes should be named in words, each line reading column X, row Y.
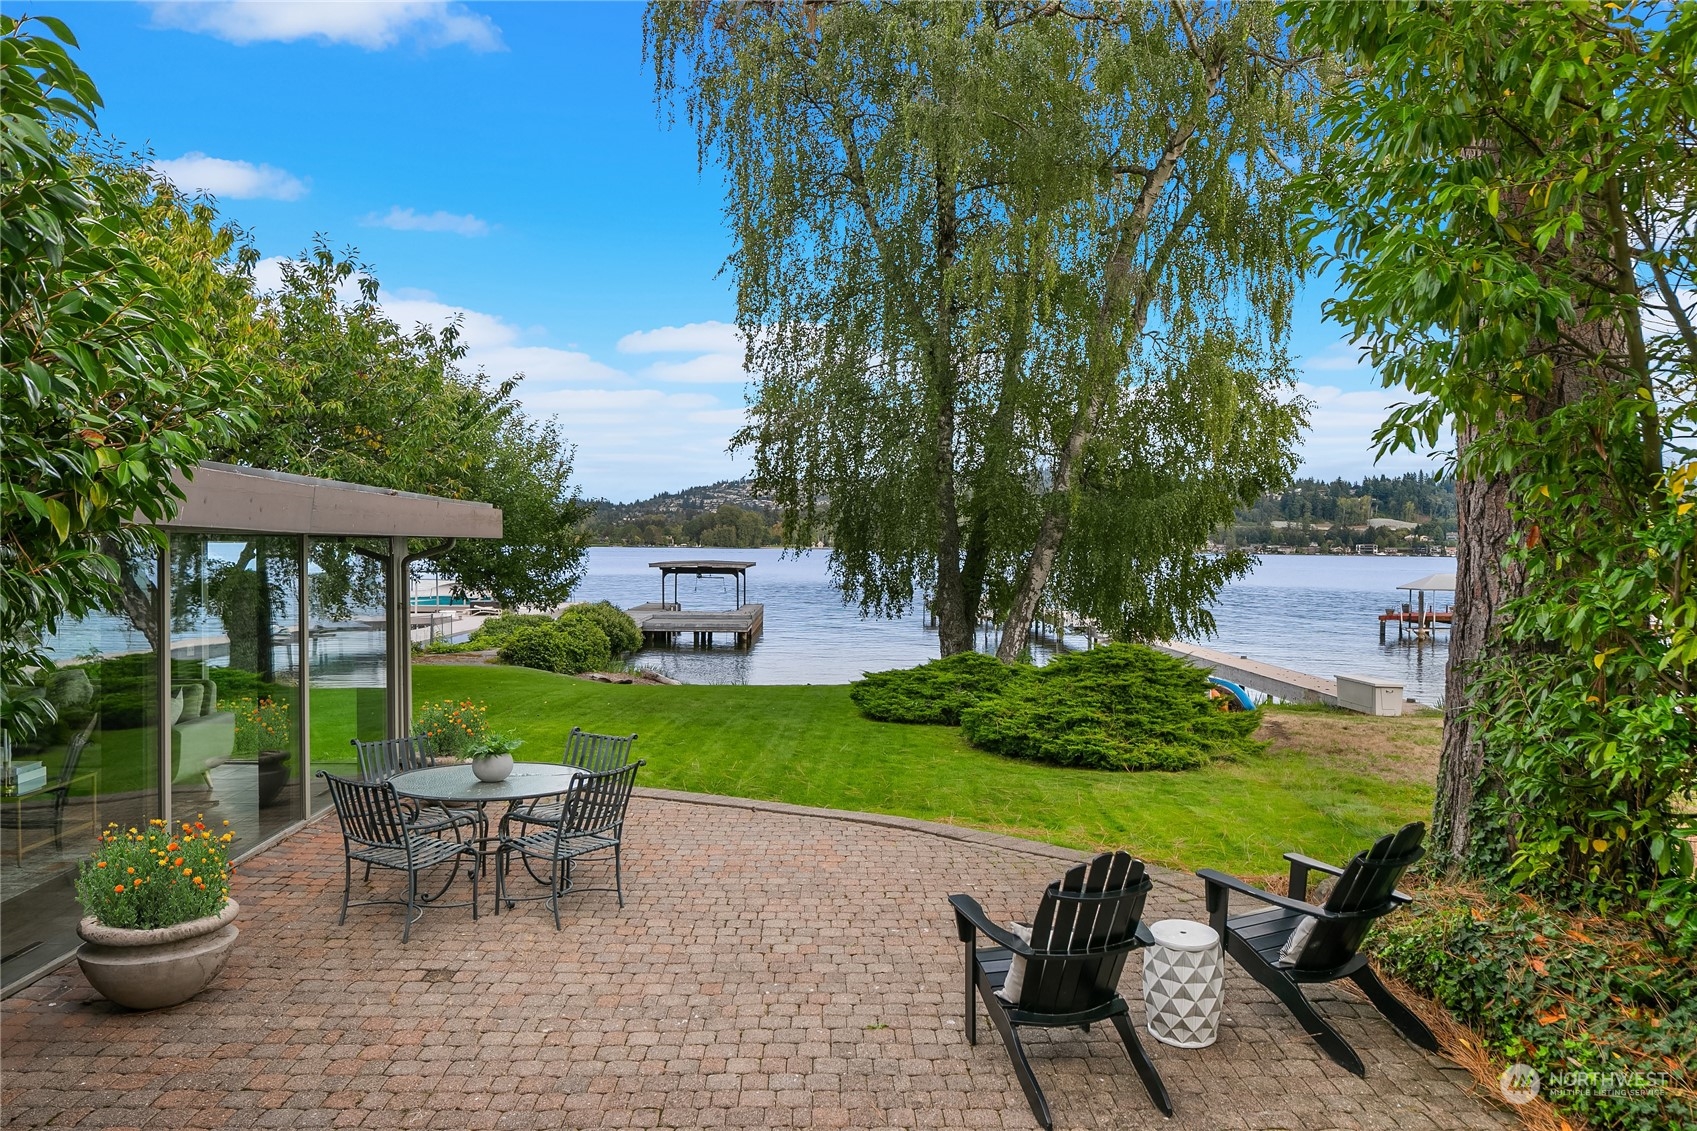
column 1183, row 981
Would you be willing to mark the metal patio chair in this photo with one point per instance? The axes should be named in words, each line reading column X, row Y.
column 1087, row 924
column 375, row 831
column 1295, row 943
column 593, row 820
column 383, row 759
column 585, row 750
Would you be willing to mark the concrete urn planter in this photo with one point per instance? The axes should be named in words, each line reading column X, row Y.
column 156, row 968
column 492, row 767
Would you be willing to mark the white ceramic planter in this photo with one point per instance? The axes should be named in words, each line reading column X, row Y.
column 495, row 767
column 157, row 968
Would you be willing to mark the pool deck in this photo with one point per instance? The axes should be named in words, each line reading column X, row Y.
column 773, row 966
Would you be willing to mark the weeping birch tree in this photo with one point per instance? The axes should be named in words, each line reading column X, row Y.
column 1015, row 283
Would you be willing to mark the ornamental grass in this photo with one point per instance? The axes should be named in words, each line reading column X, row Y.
column 154, row 877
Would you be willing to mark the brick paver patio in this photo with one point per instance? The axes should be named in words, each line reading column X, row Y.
column 772, row 967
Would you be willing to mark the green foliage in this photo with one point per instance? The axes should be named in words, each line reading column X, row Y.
column 106, row 385
column 936, row 692
column 952, row 224
column 811, row 746
column 497, row 630
column 154, row 877
column 566, row 646
column 1511, row 205
column 1606, row 1020
column 352, row 395
column 622, row 634
column 1122, row 707
column 584, row 645
column 455, row 727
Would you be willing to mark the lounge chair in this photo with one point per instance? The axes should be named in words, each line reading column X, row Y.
column 1067, row 972
column 1295, row 943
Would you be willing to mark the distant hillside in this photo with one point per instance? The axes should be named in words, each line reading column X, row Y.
column 1392, row 512
column 726, row 514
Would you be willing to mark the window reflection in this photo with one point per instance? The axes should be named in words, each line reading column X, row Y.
column 95, row 763
column 235, row 682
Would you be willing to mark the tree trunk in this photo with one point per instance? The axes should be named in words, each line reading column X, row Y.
column 1483, row 582
column 954, row 618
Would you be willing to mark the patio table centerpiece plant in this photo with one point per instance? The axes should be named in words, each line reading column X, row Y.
column 159, row 920
column 492, row 758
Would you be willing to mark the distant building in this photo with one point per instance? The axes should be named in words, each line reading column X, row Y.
column 1366, row 548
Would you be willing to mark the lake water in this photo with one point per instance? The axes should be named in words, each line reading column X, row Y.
column 1313, row 614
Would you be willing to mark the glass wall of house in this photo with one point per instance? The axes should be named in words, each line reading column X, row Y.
column 235, row 699
column 347, row 657
column 96, row 762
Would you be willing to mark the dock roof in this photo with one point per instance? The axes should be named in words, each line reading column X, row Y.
column 703, row 565
column 1432, row 582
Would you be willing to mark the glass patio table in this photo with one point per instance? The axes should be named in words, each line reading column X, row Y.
column 527, row 782
column 458, row 784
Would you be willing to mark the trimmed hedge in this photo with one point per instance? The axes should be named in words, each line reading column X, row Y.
column 1605, row 1018
column 1122, row 707
column 565, row 646
column 621, row 631
column 934, row 693
column 497, row 630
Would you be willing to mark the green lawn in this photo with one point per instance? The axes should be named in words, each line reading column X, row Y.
column 809, row 746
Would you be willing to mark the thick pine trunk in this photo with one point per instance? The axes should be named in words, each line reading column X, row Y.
column 1483, row 582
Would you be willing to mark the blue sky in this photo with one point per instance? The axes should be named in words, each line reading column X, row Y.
column 506, row 161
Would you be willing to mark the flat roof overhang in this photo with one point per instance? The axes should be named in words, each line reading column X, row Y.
column 222, row 496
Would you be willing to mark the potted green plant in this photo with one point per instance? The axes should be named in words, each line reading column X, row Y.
column 492, row 758
column 159, row 920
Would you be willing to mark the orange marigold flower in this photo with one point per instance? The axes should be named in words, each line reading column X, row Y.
column 188, row 871
column 119, row 889
column 131, row 871
column 179, row 861
column 101, row 864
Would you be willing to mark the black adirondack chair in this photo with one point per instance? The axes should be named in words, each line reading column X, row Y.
column 1330, row 946
column 1086, row 926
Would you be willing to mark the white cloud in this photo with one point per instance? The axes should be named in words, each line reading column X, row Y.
column 406, row 220
column 1339, row 357
column 1339, row 440
column 632, row 442
column 373, row 26
column 696, row 337
column 717, row 346
column 231, row 180
column 709, row 368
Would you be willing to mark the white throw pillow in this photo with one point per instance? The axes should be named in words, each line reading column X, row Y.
column 1016, row 969
column 1291, row 953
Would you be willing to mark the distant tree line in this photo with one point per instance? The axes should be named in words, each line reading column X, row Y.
column 1326, row 514
column 725, row 525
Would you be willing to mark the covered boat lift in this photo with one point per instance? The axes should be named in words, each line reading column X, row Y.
column 1417, row 616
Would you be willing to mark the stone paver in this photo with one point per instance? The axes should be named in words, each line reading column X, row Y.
column 771, row 968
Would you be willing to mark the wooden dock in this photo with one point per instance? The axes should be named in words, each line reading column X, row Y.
column 664, row 621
